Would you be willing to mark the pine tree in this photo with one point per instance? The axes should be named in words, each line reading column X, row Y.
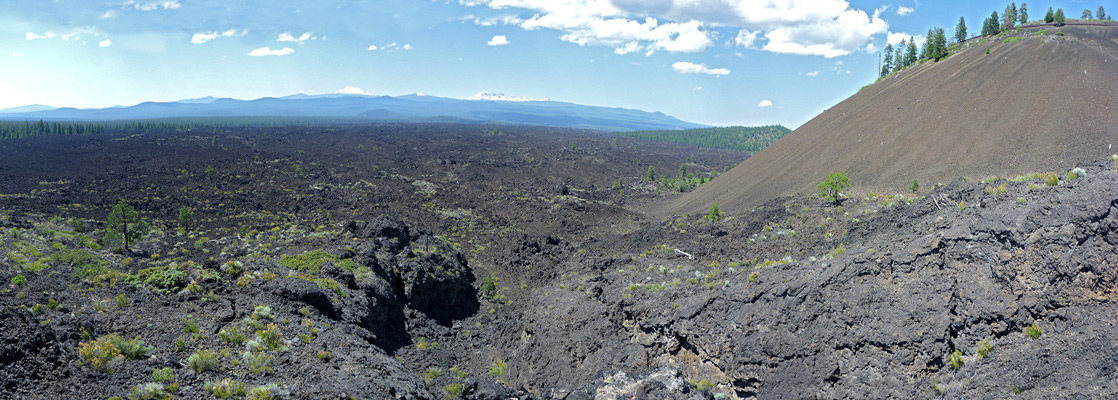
column 1010, row 17
column 887, row 61
column 1059, row 18
column 1048, row 18
column 1023, row 14
column 961, row 30
column 1086, row 15
column 124, row 225
column 898, row 57
column 910, row 52
column 992, row 25
column 937, row 44
column 1101, row 14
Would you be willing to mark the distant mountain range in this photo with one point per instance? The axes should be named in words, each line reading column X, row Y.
column 483, row 108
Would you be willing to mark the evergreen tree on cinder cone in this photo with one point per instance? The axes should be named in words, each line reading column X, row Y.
column 961, row 31
column 992, row 26
column 833, row 185
column 910, row 52
column 898, row 57
column 1050, row 16
column 1059, row 18
column 1023, row 14
column 651, row 175
column 1086, row 15
column 1101, row 14
column 1010, row 17
column 887, row 61
column 124, row 225
column 714, row 215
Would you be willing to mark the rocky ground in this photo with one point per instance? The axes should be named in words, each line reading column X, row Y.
column 505, row 264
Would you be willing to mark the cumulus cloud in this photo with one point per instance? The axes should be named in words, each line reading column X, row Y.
column 267, row 51
column 34, row 36
column 903, row 11
column 105, row 43
column 684, row 67
column 288, row 37
column 828, row 28
column 894, row 38
column 499, row 40
column 203, row 37
column 155, row 5
column 389, row 47
column 765, row 103
column 698, row 88
column 812, row 73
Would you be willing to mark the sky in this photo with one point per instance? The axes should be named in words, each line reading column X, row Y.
column 716, row 62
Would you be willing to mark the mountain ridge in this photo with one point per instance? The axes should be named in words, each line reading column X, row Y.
column 413, row 107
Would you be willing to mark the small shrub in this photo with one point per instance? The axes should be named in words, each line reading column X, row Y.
column 166, row 278
column 261, row 392
column 1033, row 331
column 1074, row 174
column 191, row 326
column 498, row 368
column 324, row 355
column 489, row 287
column 701, row 385
column 1050, row 178
column 261, row 312
column 955, row 360
column 915, row 186
column 163, row 374
column 454, row 390
column 226, row 388
column 432, row 374
column 271, row 337
column 150, row 391
column 962, row 206
column 101, row 352
column 1115, row 159
column 753, row 276
column 984, row 348
column 121, row 300
column 232, row 335
column 258, row 362
column 19, row 280
column 202, row 361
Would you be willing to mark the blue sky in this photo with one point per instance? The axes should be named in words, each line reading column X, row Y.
column 718, row 62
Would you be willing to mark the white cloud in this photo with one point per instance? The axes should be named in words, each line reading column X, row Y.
column 389, row 47
column 351, row 90
column 698, row 88
column 502, row 97
column 499, row 40
column 684, row 67
column 34, row 36
column 267, row 51
column 287, row 37
column 108, row 14
column 812, row 73
column 894, row 38
column 203, row 37
column 156, row 5
column 829, row 28
column 105, row 43
column 903, row 11
column 746, row 38
column 765, row 103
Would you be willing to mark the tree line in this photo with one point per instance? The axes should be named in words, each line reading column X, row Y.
column 937, row 46
column 22, row 129
column 734, row 138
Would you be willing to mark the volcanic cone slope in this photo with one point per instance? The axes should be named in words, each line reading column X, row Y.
column 1042, row 99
